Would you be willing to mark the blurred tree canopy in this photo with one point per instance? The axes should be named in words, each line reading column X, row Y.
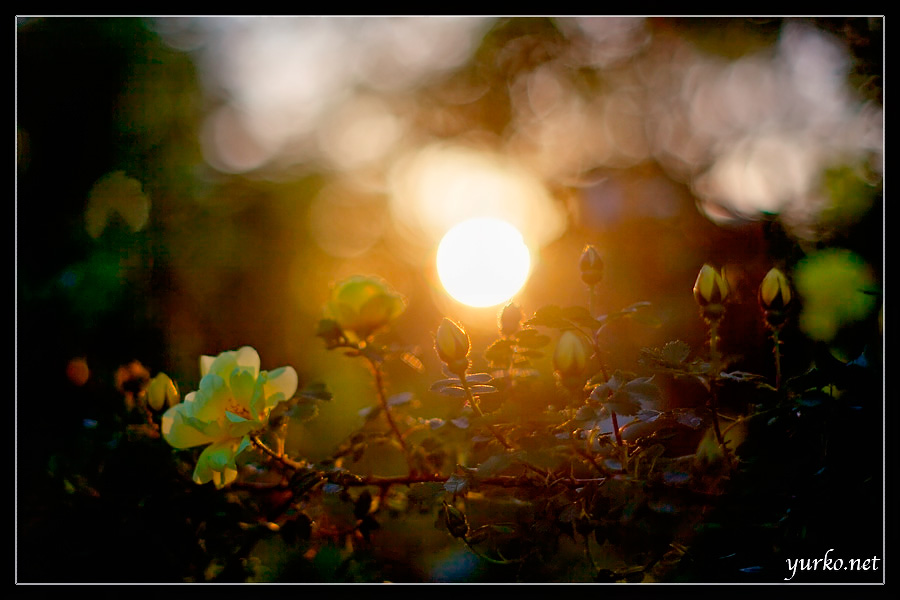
column 190, row 185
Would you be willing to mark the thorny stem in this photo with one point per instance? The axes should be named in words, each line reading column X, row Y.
column 592, row 299
column 714, row 379
column 605, row 373
column 280, row 457
column 615, row 423
column 777, row 350
column 382, row 399
column 473, row 402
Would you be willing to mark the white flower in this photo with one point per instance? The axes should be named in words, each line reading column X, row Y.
column 234, row 400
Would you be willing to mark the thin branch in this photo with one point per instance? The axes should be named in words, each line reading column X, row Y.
column 282, row 458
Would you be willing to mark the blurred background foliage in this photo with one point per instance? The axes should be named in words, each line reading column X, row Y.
column 191, row 185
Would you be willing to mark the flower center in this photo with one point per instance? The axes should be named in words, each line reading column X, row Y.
column 235, row 408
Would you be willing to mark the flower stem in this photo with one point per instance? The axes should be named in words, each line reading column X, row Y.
column 777, row 351
column 714, row 378
column 615, row 424
column 382, row 400
column 280, row 457
column 474, row 404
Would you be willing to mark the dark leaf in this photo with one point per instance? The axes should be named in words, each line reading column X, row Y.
column 453, row 392
column 479, row 378
column 622, row 403
column 456, row 484
column 316, row 391
column 532, row 338
column 329, row 329
column 456, row 521
column 304, row 411
column 483, row 389
column 494, row 464
column 439, row 385
column 363, row 504
column 500, row 352
column 642, row 390
column 579, row 315
column 676, row 352
column 461, row 422
column 547, row 316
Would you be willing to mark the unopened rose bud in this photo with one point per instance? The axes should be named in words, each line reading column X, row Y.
column 510, row 317
column 591, row 266
column 452, row 345
column 711, row 290
column 774, row 296
column 572, row 353
column 162, row 393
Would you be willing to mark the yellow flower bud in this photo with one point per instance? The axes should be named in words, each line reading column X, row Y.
column 162, row 393
column 362, row 305
column 452, row 345
column 572, row 353
column 510, row 317
column 775, row 291
column 591, row 266
column 711, row 290
column 774, row 296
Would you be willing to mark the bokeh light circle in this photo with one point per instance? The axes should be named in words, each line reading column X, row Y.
column 483, row 262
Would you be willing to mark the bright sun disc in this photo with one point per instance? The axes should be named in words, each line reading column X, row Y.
column 483, row 262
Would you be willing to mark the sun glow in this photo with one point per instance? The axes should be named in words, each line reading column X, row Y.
column 483, row 262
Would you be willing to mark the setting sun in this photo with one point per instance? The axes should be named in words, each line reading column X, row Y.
column 483, row 262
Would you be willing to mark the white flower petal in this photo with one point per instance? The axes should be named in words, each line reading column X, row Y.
column 205, row 363
column 178, row 432
column 212, row 399
column 280, row 381
column 242, row 386
column 248, row 358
